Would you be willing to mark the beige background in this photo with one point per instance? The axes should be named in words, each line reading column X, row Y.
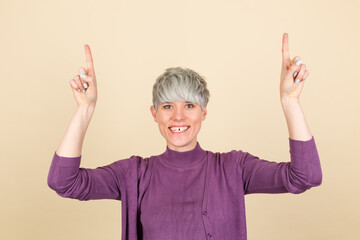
column 236, row 45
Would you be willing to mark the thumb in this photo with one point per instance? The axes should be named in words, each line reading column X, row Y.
column 297, row 89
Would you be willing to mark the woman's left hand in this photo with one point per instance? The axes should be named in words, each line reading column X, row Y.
column 293, row 73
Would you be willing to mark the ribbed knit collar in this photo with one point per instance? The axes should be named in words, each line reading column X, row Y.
column 183, row 160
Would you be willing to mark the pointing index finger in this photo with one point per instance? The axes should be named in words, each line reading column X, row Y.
column 285, row 50
column 89, row 61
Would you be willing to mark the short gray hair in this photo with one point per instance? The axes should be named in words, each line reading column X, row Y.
column 180, row 84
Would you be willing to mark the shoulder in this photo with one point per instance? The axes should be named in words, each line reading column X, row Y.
column 233, row 155
column 233, row 158
column 134, row 164
column 227, row 164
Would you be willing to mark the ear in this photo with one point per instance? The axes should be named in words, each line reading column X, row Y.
column 204, row 113
column 153, row 112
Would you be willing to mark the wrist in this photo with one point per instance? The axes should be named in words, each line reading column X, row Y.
column 86, row 110
column 288, row 101
column 86, row 107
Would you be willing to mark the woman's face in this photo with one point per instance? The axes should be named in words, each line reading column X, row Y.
column 179, row 123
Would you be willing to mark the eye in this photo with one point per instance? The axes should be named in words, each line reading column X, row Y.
column 167, row 106
column 190, row 105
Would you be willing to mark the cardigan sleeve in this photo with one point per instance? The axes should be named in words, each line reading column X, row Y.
column 68, row 180
column 296, row 176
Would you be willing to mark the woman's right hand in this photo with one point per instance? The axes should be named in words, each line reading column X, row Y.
column 84, row 84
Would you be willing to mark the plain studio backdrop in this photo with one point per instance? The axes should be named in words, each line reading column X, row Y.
column 236, row 45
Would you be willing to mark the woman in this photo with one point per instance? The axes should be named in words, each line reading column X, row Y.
column 186, row 192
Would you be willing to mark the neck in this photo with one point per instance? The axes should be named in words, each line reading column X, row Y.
column 184, row 159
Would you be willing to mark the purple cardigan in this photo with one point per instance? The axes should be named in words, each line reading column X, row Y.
column 187, row 195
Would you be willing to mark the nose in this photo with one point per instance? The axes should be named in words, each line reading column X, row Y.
column 179, row 113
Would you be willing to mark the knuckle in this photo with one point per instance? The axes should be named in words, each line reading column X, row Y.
column 296, row 59
column 294, row 67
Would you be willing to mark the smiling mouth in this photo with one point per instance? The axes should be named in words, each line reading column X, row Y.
column 179, row 129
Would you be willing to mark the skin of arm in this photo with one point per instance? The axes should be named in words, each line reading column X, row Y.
column 72, row 141
column 292, row 79
column 295, row 119
column 84, row 88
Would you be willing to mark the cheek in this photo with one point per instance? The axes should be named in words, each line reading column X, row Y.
column 197, row 119
column 163, row 120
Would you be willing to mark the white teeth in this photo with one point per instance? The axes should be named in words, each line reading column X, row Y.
column 179, row 129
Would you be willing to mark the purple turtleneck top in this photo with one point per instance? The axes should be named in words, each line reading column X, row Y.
column 187, row 195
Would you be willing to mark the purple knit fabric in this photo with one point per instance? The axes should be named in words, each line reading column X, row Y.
column 187, row 195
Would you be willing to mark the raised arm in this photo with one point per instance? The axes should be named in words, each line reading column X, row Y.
column 304, row 169
column 65, row 175
column 85, row 92
column 292, row 79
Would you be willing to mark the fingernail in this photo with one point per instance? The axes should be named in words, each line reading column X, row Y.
column 298, row 62
column 297, row 81
column 85, row 85
column 83, row 75
column 84, row 91
column 79, row 89
column 295, row 73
